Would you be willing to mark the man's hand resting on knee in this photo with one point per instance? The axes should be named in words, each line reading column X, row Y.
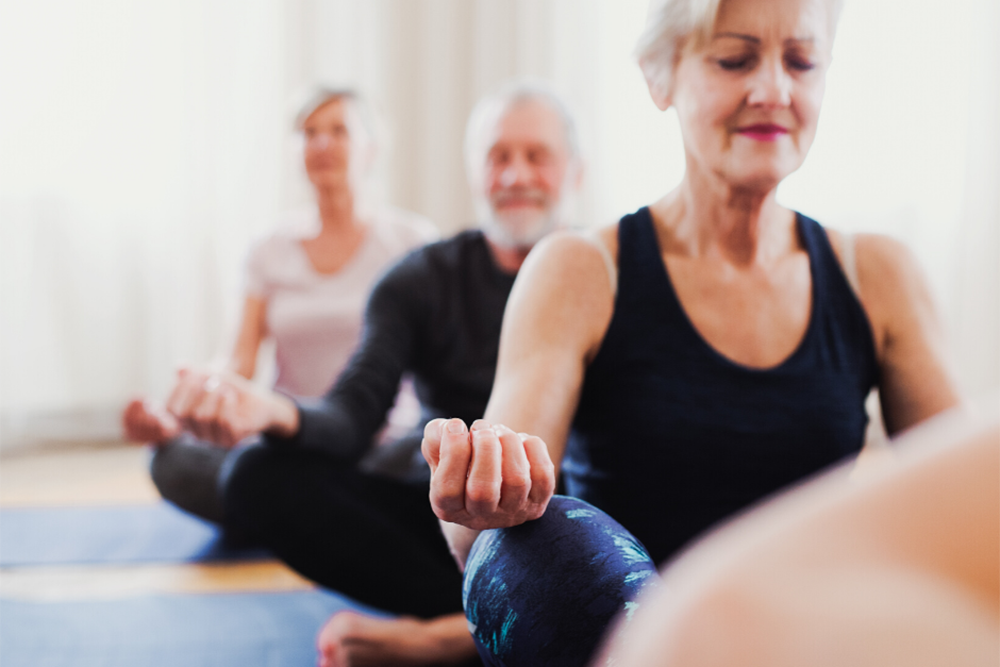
column 224, row 408
column 489, row 477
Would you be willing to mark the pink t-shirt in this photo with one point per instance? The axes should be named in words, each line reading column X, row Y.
column 316, row 318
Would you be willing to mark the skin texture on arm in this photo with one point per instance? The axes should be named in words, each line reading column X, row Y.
column 253, row 329
column 900, row 568
column 916, row 377
column 556, row 317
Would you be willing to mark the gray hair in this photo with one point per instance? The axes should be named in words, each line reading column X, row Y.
column 669, row 23
column 494, row 106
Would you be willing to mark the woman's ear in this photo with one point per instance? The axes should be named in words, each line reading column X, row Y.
column 659, row 84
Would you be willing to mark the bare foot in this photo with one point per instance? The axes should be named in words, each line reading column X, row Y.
column 350, row 639
column 148, row 421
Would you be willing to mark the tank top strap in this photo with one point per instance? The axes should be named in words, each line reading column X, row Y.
column 839, row 319
column 817, row 246
column 830, row 284
column 640, row 266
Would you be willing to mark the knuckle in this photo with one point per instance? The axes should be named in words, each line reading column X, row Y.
column 446, row 502
column 546, row 467
column 517, row 480
column 448, row 488
column 482, row 492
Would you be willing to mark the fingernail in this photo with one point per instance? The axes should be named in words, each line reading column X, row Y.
column 456, row 426
column 481, row 425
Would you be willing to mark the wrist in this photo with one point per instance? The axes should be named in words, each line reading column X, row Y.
column 284, row 417
column 459, row 539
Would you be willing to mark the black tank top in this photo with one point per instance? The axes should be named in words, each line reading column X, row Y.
column 670, row 436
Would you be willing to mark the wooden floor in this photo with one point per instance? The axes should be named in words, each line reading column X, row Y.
column 111, row 474
column 85, row 474
column 117, row 474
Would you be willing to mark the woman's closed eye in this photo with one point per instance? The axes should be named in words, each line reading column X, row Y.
column 736, row 64
column 799, row 63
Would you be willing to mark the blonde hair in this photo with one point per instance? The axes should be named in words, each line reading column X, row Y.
column 309, row 100
column 668, row 24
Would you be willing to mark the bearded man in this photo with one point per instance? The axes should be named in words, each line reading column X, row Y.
column 314, row 489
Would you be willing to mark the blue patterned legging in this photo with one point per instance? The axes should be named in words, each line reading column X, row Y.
column 545, row 592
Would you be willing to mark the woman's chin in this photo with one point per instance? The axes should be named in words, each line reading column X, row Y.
column 327, row 180
column 761, row 179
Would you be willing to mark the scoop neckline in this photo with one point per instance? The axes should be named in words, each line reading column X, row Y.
column 353, row 260
column 806, row 337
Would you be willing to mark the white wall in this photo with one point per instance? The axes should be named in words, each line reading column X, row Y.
column 143, row 144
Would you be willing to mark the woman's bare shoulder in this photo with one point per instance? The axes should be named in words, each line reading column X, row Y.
column 884, row 272
column 874, row 253
column 564, row 287
column 917, row 378
column 888, row 272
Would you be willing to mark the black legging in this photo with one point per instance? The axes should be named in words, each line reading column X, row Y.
column 372, row 538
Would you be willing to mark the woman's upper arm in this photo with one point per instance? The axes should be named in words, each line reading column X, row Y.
column 253, row 328
column 917, row 379
column 556, row 317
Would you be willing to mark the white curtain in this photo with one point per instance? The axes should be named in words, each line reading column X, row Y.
column 142, row 145
column 974, row 307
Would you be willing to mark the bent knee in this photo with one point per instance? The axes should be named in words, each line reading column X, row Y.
column 558, row 581
column 248, row 472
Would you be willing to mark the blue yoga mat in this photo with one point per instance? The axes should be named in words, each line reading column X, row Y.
column 131, row 534
column 232, row 630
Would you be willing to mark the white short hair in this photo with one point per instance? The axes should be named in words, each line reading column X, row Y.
column 669, row 23
column 494, row 106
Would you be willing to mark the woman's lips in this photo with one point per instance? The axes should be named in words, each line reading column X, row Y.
column 763, row 132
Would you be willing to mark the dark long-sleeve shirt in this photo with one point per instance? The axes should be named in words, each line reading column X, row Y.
column 437, row 315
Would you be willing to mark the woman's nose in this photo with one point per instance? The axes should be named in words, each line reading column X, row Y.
column 771, row 86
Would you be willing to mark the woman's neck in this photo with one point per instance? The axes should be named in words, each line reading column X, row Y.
column 336, row 209
column 704, row 216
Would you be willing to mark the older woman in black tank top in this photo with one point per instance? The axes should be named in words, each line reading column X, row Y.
column 714, row 347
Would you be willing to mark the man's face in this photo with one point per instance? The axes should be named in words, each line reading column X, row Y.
column 524, row 175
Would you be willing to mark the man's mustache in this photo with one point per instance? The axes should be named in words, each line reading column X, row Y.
column 509, row 195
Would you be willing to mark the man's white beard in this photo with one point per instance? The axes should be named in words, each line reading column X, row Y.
column 518, row 229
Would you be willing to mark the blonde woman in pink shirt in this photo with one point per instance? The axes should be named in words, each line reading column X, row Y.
column 306, row 287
